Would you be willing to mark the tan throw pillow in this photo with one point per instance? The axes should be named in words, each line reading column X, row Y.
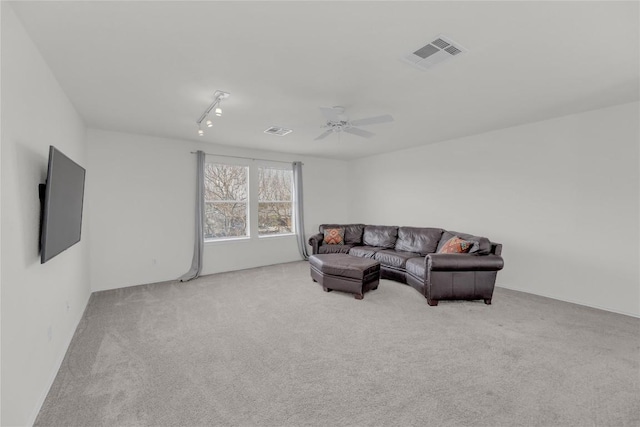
column 455, row 245
column 334, row 236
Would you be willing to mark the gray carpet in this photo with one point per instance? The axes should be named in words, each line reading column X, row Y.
column 268, row 347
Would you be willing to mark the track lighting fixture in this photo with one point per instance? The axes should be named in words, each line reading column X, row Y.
column 218, row 96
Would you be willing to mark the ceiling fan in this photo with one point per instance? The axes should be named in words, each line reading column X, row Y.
column 338, row 122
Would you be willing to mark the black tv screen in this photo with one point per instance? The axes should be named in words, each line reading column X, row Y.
column 62, row 205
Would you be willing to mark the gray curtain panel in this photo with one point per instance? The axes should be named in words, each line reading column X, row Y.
column 198, row 246
column 299, row 210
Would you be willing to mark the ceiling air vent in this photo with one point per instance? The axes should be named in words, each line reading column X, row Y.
column 440, row 49
column 440, row 43
column 276, row 130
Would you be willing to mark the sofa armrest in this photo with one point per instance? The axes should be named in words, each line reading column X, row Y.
column 464, row 262
column 315, row 241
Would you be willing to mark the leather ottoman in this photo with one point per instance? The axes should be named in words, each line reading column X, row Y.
column 346, row 273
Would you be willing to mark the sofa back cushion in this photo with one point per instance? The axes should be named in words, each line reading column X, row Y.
column 381, row 236
column 481, row 245
column 352, row 232
column 419, row 240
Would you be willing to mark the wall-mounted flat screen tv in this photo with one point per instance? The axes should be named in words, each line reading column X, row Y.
column 61, row 205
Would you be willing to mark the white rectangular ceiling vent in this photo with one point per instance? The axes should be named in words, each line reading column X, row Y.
column 276, row 130
column 440, row 49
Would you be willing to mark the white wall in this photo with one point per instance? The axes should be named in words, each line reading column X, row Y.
column 141, row 195
column 37, row 326
column 560, row 195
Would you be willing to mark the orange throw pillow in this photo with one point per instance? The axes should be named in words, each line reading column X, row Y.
column 455, row 245
column 334, row 236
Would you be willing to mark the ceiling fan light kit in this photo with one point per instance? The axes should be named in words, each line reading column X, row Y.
column 218, row 97
column 338, row 122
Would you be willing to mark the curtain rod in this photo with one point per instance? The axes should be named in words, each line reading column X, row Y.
column 246, row 158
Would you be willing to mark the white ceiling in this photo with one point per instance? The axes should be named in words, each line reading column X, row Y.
column 152, row 67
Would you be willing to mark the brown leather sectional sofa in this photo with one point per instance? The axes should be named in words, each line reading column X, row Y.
column 409, row 255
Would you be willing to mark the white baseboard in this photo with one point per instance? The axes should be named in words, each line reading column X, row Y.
column 36, row 410
column 570, row 301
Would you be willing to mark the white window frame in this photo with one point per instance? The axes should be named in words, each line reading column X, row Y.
column 253, row 200
column 279, row 166
column 247, row 166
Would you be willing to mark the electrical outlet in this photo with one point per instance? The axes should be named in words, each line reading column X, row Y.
column 50, row 333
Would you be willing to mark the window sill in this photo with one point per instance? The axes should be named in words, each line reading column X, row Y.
column 271, row 236
column 227, row 240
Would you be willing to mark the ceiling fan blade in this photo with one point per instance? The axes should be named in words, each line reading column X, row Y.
column 373, row 120
column 324, row 135
column 360, row 132
column 331, row 114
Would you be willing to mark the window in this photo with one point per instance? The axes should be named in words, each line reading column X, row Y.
column 226, row 202
column 245, row 199
column 275, row 201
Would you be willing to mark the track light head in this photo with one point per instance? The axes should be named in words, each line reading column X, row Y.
column 218, row 97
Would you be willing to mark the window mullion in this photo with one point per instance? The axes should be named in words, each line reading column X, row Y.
column 253, row 202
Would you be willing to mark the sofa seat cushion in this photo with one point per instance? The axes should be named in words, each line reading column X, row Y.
column 421, row 240
column 364, row 251
column 334, row 249
column 393, row 258
column 417, row 267
column 382, row 236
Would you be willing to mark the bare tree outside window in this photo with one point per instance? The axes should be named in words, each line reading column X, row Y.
column 275, row 201
column 225, row 198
